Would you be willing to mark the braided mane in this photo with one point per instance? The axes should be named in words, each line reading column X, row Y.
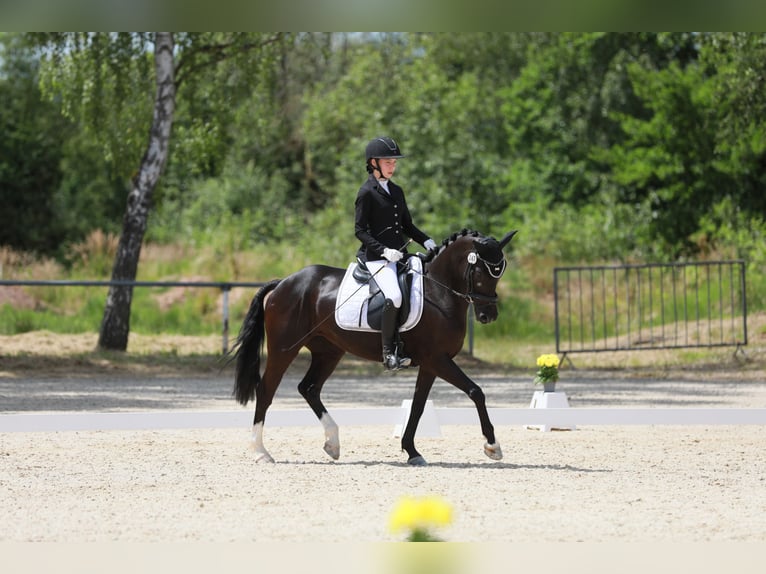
column 449, row 240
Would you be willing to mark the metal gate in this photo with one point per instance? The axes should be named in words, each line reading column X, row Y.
column 651, row 306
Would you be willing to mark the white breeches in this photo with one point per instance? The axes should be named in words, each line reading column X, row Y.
column 386, row 279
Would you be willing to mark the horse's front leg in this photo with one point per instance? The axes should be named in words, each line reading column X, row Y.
column 450, row 372
column 423, row 386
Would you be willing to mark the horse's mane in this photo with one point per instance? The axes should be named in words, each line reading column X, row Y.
column 449, row 240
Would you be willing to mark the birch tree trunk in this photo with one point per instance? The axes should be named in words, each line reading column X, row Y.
column 115, row 325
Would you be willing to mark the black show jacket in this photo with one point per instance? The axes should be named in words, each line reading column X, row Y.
column 383, row 220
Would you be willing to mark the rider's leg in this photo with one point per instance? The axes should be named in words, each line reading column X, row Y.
column 389, row 284
column 387, row 334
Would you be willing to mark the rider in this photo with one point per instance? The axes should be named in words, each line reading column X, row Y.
column 382, row 224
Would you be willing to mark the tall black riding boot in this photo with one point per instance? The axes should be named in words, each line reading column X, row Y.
column 388, row 330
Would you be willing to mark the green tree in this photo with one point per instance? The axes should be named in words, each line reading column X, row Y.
column 435, row 93
column 259, row 184
column 31, row 149
column 560, row 115
column 739, row 98
column 668, row 159
column 107, row 79
column 699, row 141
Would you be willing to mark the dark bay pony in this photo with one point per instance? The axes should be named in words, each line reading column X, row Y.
column 298, row 311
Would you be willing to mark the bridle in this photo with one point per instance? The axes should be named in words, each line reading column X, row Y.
column 495, row 270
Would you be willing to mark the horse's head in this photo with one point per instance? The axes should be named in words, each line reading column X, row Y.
column 474, row 264
column 486, row 265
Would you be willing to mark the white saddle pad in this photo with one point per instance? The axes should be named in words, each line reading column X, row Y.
column 351, row 303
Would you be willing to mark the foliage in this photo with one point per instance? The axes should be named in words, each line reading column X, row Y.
column 243, row 208
column 55, row 184
column 31, row 149
column 732, row 232
column 677, row 180
column 104, row 83
column 599, row 147
column 739, row 99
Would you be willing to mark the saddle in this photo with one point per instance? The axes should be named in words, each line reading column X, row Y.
column 377, row 300
column 359, row 303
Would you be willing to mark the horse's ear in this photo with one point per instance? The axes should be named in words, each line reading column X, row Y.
column 505, row 240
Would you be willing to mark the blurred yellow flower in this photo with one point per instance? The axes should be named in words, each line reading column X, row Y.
column 417, row 515
column 435, row 511
column 550, row 360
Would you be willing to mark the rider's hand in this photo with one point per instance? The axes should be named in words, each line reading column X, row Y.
column 393, row 255
column 430, row 244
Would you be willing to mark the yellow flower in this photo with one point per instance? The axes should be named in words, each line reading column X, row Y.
column 435, row 511
column 405, row 515
column 413, row 514
column 549, row 360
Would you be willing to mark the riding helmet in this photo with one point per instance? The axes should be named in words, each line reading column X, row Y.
column 383, row 147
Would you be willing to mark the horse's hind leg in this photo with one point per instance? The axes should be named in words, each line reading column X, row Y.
column 276, row 365
column 322, row 365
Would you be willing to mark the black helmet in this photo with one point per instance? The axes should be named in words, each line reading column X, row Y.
column 382, row 147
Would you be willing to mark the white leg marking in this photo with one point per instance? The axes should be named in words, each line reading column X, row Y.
column 256, row 444
column 331, row 435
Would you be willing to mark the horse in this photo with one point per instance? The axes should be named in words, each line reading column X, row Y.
column 298, row 311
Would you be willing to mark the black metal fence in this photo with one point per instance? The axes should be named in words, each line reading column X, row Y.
column 652, row 306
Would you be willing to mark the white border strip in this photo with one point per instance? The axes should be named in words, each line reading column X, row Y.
column 564, row 417
column 605, row 416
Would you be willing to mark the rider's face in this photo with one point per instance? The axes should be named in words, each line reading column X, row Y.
column 386, row 167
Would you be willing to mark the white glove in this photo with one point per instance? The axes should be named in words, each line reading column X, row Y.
column 393, row 255
column 430, row 244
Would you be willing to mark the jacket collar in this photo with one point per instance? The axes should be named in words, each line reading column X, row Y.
column 380, row 189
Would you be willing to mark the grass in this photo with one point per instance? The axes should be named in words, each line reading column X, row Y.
column 524, row 330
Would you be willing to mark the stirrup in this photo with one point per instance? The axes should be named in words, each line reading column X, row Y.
column 392, row 362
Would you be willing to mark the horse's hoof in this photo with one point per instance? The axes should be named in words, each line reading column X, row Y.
column 263, row 458
column 417, row 461
column 493, row 451
column 333, row 450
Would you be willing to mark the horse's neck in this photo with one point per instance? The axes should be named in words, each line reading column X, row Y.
column 447, row 268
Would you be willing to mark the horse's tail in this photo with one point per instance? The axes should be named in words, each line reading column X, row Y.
column 248, row 346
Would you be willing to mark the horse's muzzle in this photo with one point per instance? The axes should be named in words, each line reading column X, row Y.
column 485, row 314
